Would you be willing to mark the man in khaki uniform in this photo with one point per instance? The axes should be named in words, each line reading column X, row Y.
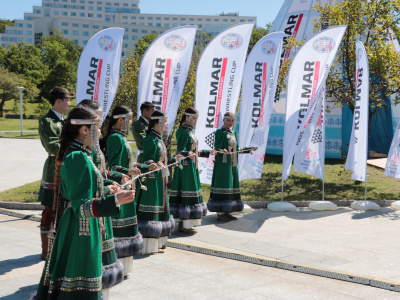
column 50, row 127
column 139, row 127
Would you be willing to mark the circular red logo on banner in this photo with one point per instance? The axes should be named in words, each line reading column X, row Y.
column 175, row 43
column 324, row 45
column 231, row 41
column 107, row 43
column 268, row 47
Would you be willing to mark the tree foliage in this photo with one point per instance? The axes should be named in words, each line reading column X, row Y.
column 368, row 22
column 9, row 83
column 4, row 23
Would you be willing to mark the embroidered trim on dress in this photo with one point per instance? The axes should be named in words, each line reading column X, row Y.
column 76, row 284
column 107, row 245
column 224, row 190
column 121, row 223
column 174, row 193
column 48, row 185
column 151, row 208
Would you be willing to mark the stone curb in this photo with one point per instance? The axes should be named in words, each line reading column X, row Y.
column 285, row 265
column 252, row 204
column 19, row 215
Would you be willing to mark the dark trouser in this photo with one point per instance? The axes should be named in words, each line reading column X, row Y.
column 45, row 223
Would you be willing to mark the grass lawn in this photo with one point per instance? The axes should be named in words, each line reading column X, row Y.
column 298, row 187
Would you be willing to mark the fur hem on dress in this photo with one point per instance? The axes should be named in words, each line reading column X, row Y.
column 156, row 229
column 204, row 206
column 187, row 212
column 33, row 297
column 113, row 274
column 225, row 206
column 128, row 246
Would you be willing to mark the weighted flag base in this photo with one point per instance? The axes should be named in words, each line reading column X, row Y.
column 396, row 205
column 281, row 206
column 322, row 205
column 365, row 205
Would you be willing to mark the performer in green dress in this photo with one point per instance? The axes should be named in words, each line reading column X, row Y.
column 186, row 200
column 113, row 271
column 74, row 267
column 49, row 131
column 128, row 241
column 225, row 189
column 139, row 127
column 155, row 221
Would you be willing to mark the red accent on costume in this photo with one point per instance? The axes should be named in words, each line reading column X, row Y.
column 94, row 208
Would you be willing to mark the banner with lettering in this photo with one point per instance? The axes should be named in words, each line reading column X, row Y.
column 98, row 68
column 310, row 153
column 358, row 148
column 218, row 79
column 260, row 78
column 163, row 70
column 307, row 73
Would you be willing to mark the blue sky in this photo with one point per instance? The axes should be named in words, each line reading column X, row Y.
column 264, row 10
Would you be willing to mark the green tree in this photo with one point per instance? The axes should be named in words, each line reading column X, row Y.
column 4, row 23
column 26, row 60
column 257, row 34
column 61, row 56
column 368, row 22
column 8, row 87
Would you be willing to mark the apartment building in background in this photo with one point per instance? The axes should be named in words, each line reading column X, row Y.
column 79, row 20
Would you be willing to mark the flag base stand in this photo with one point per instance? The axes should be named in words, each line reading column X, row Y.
column 281, row 206
column 323, row 205
column 365, row 205
column 396, row 205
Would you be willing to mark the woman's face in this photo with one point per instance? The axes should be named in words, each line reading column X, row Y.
column 194, row 120
column 88, row 135
column 230, row 122
column 165, row 128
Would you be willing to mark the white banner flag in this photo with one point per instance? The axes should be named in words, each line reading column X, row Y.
column 358, row 149
column 164, row 68
column 308, row 71
column 98, row 68
column 218, row 79
column 260, row 78
column 310, row 153
column 393, row 160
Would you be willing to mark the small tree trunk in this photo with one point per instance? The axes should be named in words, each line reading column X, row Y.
column 1, row 107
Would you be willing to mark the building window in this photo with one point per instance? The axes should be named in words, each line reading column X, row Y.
column 29, row 32
column 125, row 17
column 150, row 24
column 150, row 18
column 75, row 25
column 55, row 13
column 65, row 31
column 141, row 18
column 174, row 25
column 144, row 31
column 29, row 25
column 47, row 15
column 73, row 14
column 99, row 3
column 90, row 7
column 64, row 13
column 20, row 32
column 57, row 5
column 20, row 39
column 76, row 41
column 200, row 26
column 166, row 18
column 134, row 37
column 73, row 6
column 81, row 14
column 175, row 19
column 108, row 9
column 38, row 11
column 85, row 25
column 166, row 24
column 108, row 20
column 108, row 3
column 116, row 4
column 99, row 15
column 90, row 2
column 216, row 20
column 224, row 20
column 125, row 37
column 95, row 26
column 242, row 20
column 64, row 24
column 141, row 23
column 158, row 24
column 81, row 7
column 84, row 42
column 126, row 4
column 90, row 15
column 99, row 8
column 208, row 20
column 191, row 19
column 75, row 32
column 29, row 40
column 20, row 25
column 183, row 19
column 85, row 33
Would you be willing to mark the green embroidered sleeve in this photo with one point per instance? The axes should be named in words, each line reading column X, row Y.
column 182, row 138
column 79, row 187
column 115, row 151
column 150, row 149
column 139, row 133
column 48, row 132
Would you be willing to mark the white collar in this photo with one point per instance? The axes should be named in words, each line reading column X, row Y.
column 60, row 116
column 147, row 121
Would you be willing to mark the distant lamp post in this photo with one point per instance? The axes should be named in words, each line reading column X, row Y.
column 21, row 89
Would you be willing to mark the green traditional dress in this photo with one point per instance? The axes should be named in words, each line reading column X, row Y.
column 155, row 221
column 139, row 128
column 74, row 267
column 50, row 127
column 225, row 189
column 128, row 241
column 186, row 200
column 113, row 270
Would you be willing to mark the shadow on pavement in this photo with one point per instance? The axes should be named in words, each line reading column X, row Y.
column 23, row 293
column 387, row 213
column 11, row 264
